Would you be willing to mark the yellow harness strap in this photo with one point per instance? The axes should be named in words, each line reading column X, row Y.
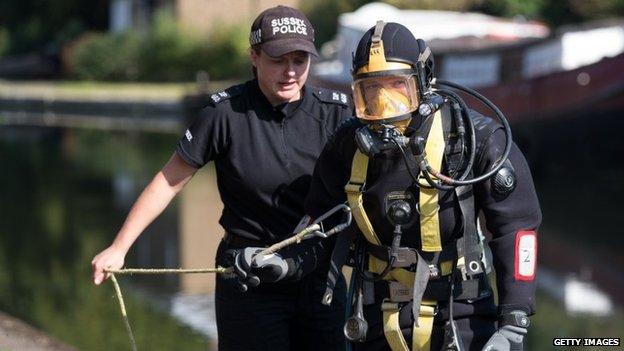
column 428, row 200
column 392, row 329
column 421, row 334
column 400, row 275
column 421, row 331
column 353, row 189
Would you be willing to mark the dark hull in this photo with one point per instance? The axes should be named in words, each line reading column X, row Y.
column 560, row 94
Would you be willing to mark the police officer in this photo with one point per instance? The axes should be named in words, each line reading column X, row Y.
column 264, row 137
column 417, row 167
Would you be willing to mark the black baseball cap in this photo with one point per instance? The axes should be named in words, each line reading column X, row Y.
column 282, row 29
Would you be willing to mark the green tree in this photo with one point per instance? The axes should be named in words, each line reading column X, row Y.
column 37, row 24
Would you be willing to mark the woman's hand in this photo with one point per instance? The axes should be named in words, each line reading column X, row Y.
column 152, row 201
column 111, row 258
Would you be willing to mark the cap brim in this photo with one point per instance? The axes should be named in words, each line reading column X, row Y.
column 276, row 48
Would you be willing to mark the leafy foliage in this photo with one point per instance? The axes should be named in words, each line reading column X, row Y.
column 36, row 25
column 105, row 57
column 163, row 53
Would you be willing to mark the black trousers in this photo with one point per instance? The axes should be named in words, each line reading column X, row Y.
column 279, row 316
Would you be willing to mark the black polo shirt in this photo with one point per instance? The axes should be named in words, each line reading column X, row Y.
column 264, row 155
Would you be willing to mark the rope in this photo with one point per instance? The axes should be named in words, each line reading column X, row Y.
column 218, row 270
column 123, row 312
column 292, row 240
column 130, row 271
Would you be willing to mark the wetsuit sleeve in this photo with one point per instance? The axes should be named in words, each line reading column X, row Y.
column 331, row 173
column 326, row 192
column 513, row 218
column 307, row 256
column 206, row 138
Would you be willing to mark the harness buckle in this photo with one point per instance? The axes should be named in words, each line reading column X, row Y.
column 434, row 272
column 406, row 257
column 428, row 311
column 399, row 292
column 353, row 188
column 471, row 271
column 388, row 305
column 432, row 211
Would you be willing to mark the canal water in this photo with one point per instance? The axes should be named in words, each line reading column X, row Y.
column 64, row 194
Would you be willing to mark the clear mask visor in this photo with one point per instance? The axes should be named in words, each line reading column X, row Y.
column 378, row 98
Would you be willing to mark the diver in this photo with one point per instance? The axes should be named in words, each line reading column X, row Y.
column 419, row 170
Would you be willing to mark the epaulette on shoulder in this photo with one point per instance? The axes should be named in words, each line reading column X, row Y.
column 332, row 96
column 227, row 93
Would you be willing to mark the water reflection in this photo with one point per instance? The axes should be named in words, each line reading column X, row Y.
column 57, row 209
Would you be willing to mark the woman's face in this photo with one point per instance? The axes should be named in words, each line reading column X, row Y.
column 281, row 78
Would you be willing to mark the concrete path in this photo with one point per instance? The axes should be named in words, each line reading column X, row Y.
column 16, row 335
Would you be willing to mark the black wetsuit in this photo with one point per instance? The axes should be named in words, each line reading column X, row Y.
column 505, row 216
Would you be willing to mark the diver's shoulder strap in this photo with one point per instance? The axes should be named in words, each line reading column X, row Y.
column 353, row 189
column 428, row 200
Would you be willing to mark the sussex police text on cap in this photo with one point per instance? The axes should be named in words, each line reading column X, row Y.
column 287, row 25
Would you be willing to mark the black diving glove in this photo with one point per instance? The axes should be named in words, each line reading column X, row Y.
column 510, row 334
column 251, row 271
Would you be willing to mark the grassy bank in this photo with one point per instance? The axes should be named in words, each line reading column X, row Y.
column 88, row 90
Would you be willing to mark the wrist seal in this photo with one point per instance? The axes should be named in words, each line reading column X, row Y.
column 515, row 318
